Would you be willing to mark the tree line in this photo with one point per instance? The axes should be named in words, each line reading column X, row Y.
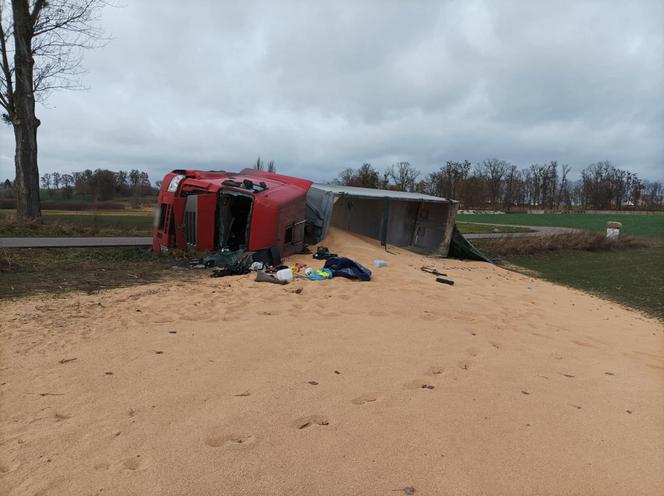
column 499, row 185
column 97, row 185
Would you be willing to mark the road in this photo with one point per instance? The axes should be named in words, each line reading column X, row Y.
column 535, row 231
column 73, row 242
column 136, row 241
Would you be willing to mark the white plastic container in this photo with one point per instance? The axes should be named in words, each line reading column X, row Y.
column 285, row 275
column 379, row 263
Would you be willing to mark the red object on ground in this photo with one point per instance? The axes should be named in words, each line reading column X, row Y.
column 224, row 211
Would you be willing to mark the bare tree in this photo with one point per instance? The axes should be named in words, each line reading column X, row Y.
column 494, row 171
column 271, row 167
column 563, row 189
column 67, row 183
column 41, row 44
column 365, row 176
column 403, row 176
column 46, row 181
column 259, row 164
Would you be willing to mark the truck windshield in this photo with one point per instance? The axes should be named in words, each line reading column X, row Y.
column 234, row 215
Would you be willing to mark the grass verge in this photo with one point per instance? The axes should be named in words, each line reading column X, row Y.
column 631, row 277
column 85, row 223
column 35, row 271
column 579, row 241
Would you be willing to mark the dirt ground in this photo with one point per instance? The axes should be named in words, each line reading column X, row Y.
column 501, row 384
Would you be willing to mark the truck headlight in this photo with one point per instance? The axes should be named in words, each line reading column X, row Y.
column 175, row 182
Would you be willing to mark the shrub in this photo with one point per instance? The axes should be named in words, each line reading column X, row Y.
column 582, row 241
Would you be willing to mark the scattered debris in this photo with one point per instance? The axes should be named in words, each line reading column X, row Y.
column 313, row 383
column 262, row 276
column 432, row 270
column 67, row 360
column 525, row 392
column 256, row 266
column 285, row 274
column 323, row 253
column 408, row 490
column 337, row 372
column 345, row 267
column 243, row 394
column 318, row 275
column 435, row 272
column 238, row 268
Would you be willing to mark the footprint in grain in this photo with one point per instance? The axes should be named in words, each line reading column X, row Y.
column 418, row 384
column 427, row 315
column 269, row 312
column 435, row 370
column 229, row 440
column 464, row 365
column 365, row 398
column 304, row 422
column 134, row 463
column 585, row 344
column 378, row 313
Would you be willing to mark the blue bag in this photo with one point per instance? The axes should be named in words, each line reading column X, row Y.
column 345, row 267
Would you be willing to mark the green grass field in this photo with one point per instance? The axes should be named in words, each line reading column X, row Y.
column 651, row 226
column 632, row 277
column 83, row 223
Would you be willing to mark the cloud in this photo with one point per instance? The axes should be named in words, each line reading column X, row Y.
column 319, row 87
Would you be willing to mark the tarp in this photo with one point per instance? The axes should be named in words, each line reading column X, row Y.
column 319, row 213
column 461, row 248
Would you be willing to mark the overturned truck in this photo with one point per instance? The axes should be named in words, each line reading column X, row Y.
column 274, row 215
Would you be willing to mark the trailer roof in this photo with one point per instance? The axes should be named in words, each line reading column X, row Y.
column 378, row 193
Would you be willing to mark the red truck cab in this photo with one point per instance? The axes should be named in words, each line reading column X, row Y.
column 252, row 210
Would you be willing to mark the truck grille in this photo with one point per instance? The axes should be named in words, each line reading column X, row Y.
column 190, row 228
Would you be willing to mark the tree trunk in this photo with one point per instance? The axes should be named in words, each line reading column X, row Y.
column 24, row 120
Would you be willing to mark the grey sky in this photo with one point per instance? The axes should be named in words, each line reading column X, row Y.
column 321, row 86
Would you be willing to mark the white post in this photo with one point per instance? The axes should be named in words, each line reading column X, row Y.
column 613, row 229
